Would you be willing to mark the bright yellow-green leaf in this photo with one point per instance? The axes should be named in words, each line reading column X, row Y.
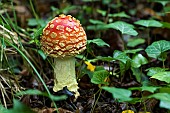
column 90, row 66
column 128, row 111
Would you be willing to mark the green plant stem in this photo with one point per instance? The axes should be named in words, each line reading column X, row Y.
column 148, row 36
column 163, row 63
column 39, row 76
column 143, row 100
column 34, row 13
column 14, row 13
column 100, row 90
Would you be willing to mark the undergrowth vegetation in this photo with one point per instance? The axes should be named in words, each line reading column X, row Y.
column 125, row 68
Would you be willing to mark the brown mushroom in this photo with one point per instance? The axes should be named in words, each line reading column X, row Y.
column 63, row 38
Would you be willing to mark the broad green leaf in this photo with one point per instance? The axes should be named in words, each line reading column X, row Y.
column 162, row 76
column 90, row 0
column 154, row 70
column 108, row 59
column 156, row 49
column 135, row 42
column 151, row 89
column 121, row 14
column 167, row 9
column 123, row 27
column 163, row 2
column 165, row 104
column 97, row 27
column 102, row 12
column 106, row 2
column 119, row 93
column 165, row 25
column 32, row 22
column 19, row 108
column 98, row 42
column 96, row 21
column 121, row 56
column 37, row 92
column 138, row 60
column 164, row 99
column 133, row 51
column 149, row 23
column 164, row 90
column 124, row 66
column 3, row 110
column 137, row 73
column 115, row 6
column 69, row 8
column 99, row 77
column 101, row 58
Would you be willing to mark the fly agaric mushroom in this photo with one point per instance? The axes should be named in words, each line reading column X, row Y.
column 63, row 38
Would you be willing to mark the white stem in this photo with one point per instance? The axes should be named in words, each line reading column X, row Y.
column 64, row 75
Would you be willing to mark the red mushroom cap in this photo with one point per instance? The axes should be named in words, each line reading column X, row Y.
column 63, row 36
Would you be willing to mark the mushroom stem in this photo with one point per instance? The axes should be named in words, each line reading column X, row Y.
column 64, row 75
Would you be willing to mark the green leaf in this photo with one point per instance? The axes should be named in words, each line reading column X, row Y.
column 99, row 77
column 106, row 2
column 149, row 23
column 68, row 9
column 108, row 59
column 96, row 21
column 167, row 9
column 162, row 76
column 151, row 89
column 121, row 56
column 124, row 66
column 135, row 42
column 123, row 27
column 164, row 99
column 42, row 54
column 37, row 92
column 3, row 110
column 154, row 70
column 102, row 12
column 121, row 14
column 98, row 42
column 165, row 25
column 31, row 92
column 97, row 27
column 90, row 0
column 19, row 108
column 101, row 58
column 163, row 2
column 138, row 60
column 38, row 32
column 164, row 90
column 137, row 73
column 119, row 93
column 32, row 22
column 165, row 104
column 133, row 51
column 156, row 49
